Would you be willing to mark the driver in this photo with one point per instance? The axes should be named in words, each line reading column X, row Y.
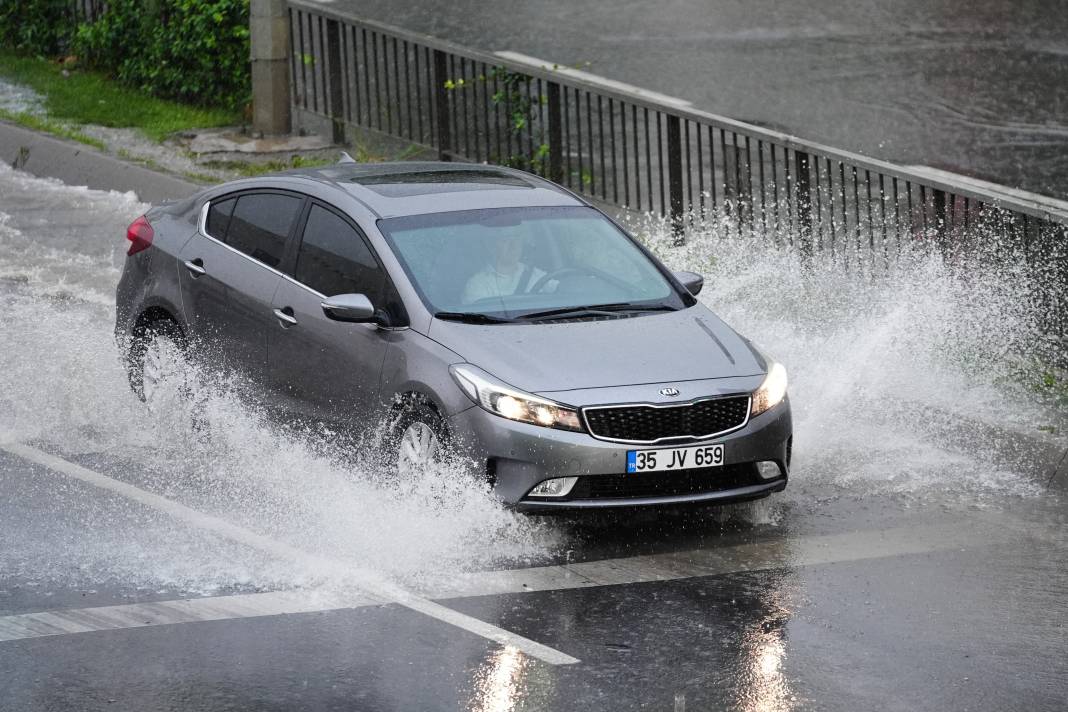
column 505, row 274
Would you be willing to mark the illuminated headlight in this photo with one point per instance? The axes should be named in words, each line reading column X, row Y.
column 771, row 391
column 507, row 402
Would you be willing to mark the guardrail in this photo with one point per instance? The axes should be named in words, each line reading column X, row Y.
column 638, row 149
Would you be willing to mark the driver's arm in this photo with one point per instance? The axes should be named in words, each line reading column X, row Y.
column 477, row 287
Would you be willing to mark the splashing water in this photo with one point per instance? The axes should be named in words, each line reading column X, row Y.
column 875, row 357
column 880, row 354
column 19, row 99
column 62, row 385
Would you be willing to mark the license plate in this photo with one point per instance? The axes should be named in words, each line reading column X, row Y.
column 676, row 458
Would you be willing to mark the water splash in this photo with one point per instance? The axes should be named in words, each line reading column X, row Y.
column 875, row 355
column 62, row 385
column 878, row 349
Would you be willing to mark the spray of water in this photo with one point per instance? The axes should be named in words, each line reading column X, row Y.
column 883, row 352
column 62, row 386
column 875, row 355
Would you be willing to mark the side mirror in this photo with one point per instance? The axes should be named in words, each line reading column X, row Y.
column 355, row 308
column 692, row 281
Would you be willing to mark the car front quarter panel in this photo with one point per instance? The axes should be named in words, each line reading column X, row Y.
column 417, row 365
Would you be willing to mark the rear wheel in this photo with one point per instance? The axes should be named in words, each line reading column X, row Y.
column 157, row 364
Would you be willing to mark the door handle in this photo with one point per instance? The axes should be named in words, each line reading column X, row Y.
column 285, row 317
column 196, row 267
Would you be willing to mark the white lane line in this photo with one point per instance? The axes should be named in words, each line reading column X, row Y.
column 805, row 551
column 367, row 581
column 802, row 551
column 142, row 615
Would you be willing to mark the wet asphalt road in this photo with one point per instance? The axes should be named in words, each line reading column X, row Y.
column 859, row 604
column 972, row 86
column 149, row 565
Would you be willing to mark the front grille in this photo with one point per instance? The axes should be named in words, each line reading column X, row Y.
column 647, row 423
column 665, row 484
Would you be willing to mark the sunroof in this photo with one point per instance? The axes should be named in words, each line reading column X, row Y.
column 397, row 185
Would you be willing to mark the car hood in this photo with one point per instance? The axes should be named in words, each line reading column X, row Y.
column 686, row 345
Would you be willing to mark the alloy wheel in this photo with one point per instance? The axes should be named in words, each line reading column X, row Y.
column 419, row 446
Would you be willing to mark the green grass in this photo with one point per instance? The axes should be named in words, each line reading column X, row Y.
column 249, row 170
column 1048, row 383
column 38, row 123
column 1052, row 384
column 91, row 98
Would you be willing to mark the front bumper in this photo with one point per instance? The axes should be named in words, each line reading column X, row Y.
column 517, row 456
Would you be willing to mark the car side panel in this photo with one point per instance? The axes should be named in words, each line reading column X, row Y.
column 324, row 370
column 150, row 278
column 229, row 307
column 415, row 364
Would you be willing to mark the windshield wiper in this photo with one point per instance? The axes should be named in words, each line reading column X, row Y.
column 594, row 309
column 471, row 317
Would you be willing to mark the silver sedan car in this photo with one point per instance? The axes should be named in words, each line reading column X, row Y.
column 462, row 311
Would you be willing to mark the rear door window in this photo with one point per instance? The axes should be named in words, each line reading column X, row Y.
column 219, row 218
column 260, row 225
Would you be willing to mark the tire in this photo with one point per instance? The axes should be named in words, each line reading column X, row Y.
column 420, row 440
column 157, row 359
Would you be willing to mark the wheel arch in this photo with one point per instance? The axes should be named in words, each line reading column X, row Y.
column 415, row 396
column 152, row 315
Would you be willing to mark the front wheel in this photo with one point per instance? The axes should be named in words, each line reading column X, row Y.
column 421, row 440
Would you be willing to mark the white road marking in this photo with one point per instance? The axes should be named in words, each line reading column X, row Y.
column 777, row 553
column 981, row 531
column 367, row 581
column 805, row 551
column 140, row 615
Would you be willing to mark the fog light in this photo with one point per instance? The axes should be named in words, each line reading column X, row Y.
column 556, row 487
column 768, row 470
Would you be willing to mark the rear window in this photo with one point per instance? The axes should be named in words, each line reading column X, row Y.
column 260, row 225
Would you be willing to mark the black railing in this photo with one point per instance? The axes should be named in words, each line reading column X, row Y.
column 643, row 151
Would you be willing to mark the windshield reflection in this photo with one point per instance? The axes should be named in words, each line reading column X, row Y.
column 505, row 262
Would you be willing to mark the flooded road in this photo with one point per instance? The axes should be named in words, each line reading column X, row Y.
column 972, row 86
column 153, row 560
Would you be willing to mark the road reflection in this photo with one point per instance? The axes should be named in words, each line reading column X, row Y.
column 682, row 644
column 762, row 684
column 508, row 680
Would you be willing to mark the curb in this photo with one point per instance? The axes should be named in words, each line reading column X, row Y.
column 76, row 164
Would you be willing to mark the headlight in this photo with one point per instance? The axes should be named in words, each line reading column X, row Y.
column 771, row 391
column 503, row 400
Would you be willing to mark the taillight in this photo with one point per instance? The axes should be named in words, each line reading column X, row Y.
column 140, row 234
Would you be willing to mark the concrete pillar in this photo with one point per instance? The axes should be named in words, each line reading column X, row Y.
column 269, row 29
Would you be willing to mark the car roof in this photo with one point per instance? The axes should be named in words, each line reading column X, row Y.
column 417, row 188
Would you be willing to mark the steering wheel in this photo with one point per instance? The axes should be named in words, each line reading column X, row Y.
column 557, row 274
column 563, row 271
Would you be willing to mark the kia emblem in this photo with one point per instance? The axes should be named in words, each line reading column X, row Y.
column 669, row 391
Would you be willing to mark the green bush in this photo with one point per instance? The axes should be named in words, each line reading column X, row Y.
column 40, row 27
column 192, row 50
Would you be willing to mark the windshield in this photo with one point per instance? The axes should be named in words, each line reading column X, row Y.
column 509, row 263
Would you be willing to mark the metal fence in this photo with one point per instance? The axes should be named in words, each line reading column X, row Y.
column 640, row 150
